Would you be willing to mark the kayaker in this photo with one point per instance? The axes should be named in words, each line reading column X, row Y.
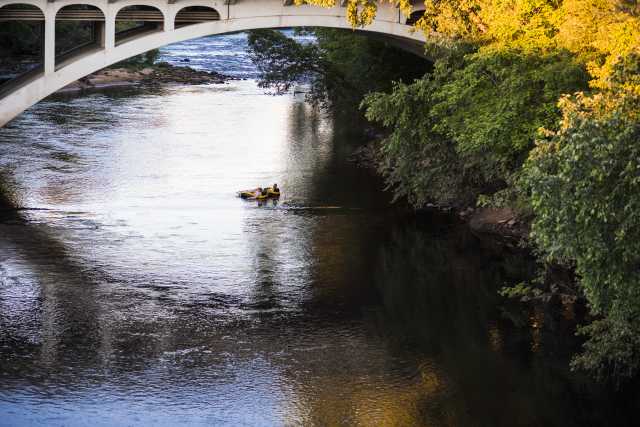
column 275, row 188
column 259, row 191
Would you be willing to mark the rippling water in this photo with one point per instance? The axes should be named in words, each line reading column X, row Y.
column 224, row 54
column 138, row 290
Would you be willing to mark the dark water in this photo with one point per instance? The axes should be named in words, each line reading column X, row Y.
column 141, row 291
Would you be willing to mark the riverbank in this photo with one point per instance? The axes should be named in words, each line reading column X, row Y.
column 116, row 77
column 160, row 73
column 504, row 231
column 501, row 224
column 504, row 223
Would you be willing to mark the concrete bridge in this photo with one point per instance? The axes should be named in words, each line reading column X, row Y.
column 162, row 22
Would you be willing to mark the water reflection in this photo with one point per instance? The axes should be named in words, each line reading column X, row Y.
column 146, row 293
column 438, row 289
column 137, row 283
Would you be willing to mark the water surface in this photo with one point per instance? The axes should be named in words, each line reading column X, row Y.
column 138, row 290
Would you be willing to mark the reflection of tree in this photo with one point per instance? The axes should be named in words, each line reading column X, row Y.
column 304, row 150
column 265, row 240
column 439, row 296
column 68, row 316
column 320, row 148
column 346, row 378
column 322, row 242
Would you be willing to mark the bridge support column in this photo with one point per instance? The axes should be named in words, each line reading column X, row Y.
column 109, row 32
column 50, row 41
column 169, row 22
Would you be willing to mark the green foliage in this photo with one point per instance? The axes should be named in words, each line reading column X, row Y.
column 470, row 124
column 20, row 38
column 72, row 34
column 340, row 66
column 281, row 60
column 360, row 12
column 465, row 131
column 521, row 291
column 611, row 351
column 418, row 162
column 23, row 39
column 584, row 186
column 494, row 104
column 358, row 64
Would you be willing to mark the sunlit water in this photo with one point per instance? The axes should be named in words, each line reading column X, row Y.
column 138, row 290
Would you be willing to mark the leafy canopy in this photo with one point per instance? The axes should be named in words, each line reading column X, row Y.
column 584, row 184
column 360, row 12
column 339, row 66
column 555, row 83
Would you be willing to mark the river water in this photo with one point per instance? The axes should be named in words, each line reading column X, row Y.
column 136, row 289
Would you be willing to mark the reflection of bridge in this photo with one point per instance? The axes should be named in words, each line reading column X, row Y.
column 160, row 22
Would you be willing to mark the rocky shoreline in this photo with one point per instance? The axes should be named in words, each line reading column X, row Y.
column 160, row 73
column 503, row 225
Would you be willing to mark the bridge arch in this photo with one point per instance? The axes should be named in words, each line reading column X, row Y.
column 87, row 20
column 145, row 18
column 137, row 4
column 181, row 17
column 65, row 4
column 33, row 3
column 25, row 14
column 246, row 15
column 80, row 5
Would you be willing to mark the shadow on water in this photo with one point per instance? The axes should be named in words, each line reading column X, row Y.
column 438, row 287
column 64, row 314
column 328, row 143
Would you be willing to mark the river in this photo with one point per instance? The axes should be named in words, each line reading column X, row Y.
column 137, row 289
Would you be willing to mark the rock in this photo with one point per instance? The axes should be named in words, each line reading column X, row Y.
column 485, row 220
column 160, row 73
column 500, row 222
column 466, row 213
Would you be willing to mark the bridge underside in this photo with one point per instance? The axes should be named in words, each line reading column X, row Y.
column 159, row 23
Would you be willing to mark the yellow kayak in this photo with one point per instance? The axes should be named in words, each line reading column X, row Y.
column 251, row 194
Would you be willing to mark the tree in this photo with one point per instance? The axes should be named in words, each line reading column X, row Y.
column 282, row 61
column 581, row 179
column 340, row 67
column 20, row 38
column 418, row 162
column 360, row 12
column 484, row 109
column 584, row 185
